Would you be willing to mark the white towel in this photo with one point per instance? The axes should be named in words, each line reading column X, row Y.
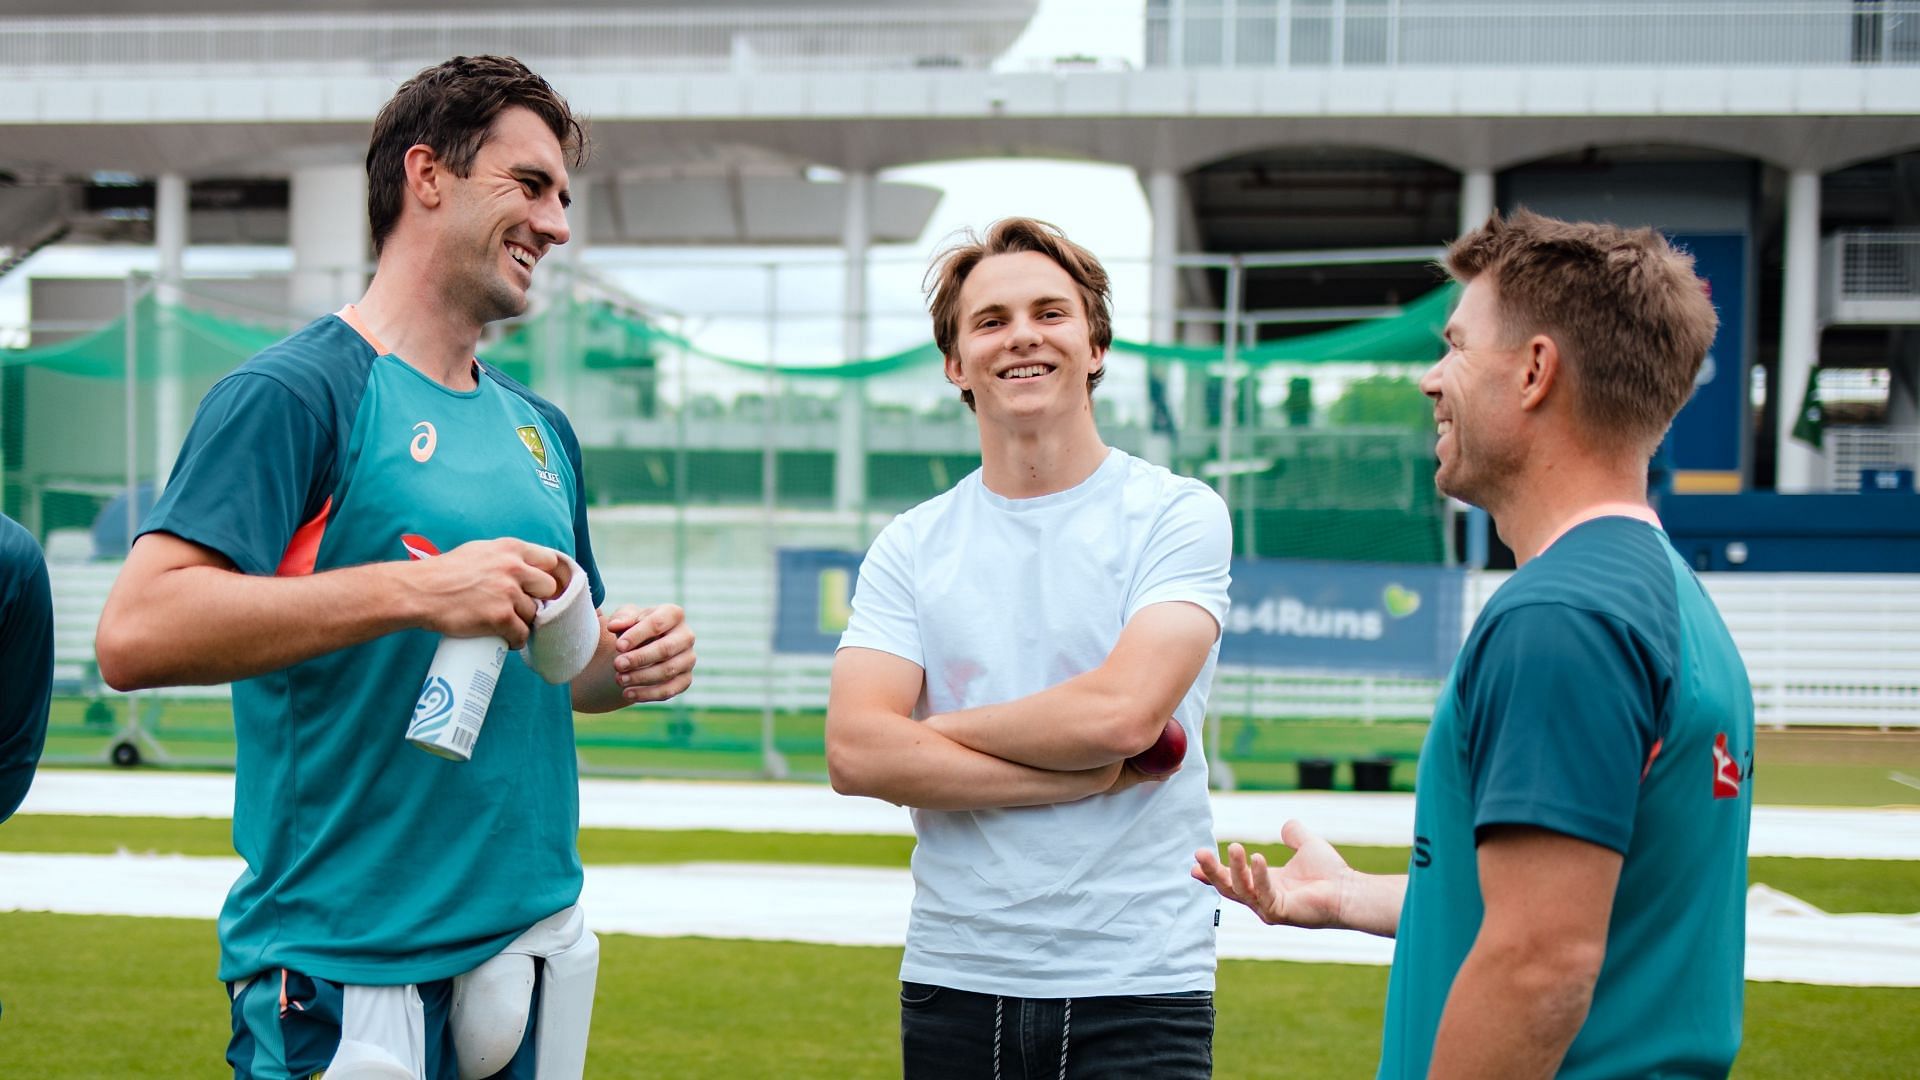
column 566, row 631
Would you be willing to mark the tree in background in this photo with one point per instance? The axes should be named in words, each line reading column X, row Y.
column 1383, row 401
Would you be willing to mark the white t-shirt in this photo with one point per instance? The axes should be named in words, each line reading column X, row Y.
column 1000, row 598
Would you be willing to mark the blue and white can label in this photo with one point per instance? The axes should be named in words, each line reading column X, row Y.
column 453, row 701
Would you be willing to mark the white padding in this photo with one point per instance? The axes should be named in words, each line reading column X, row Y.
column 566, row 630
column 491, row 1003
column 383, row 1035
column 566, row 1010
column 489, row 1014
column 364, row 1061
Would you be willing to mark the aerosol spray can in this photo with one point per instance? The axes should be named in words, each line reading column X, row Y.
column 453, row 701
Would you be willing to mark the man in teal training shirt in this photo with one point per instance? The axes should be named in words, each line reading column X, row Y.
column 1575, row 900
column 343, row 501
column 26, row 661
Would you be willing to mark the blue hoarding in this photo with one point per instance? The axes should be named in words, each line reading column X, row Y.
column 1346, row 617
column 1709, row 435
column 1286, row 613
column 816, row 595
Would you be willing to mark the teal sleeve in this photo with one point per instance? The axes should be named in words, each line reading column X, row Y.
column 26, row 662
column 1561, row 709
column 256, row 464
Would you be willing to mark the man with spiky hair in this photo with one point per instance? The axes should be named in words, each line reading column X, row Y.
column 1013, row 643
column 344, row 501
column 1576, row 897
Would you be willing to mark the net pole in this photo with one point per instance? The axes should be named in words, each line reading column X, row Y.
column 680, row 484
column 770, row 759
column 1250, row 491
column 1229, row 357
column 681, row 721
column 131, row 403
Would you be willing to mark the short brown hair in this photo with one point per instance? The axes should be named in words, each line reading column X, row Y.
column 451, row 107
column 1010, row 236
column 1627, row 311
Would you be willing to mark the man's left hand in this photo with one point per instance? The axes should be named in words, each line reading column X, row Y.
column 653, row 658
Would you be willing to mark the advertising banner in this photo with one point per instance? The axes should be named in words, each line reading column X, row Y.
column 1359, row 618
column 816, row 595
column 1705, row 448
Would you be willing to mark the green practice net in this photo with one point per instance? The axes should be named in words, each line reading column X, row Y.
column 701, row 466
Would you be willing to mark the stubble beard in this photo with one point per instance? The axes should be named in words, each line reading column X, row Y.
column 487, row 296
column 1486, row 483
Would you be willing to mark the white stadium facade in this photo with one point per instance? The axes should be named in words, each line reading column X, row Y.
column 1789, row 129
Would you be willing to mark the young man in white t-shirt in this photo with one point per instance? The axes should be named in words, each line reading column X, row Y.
column 1013, row 643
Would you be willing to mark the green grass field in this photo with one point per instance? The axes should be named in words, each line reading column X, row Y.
column 1803, row 768
column 93, row 996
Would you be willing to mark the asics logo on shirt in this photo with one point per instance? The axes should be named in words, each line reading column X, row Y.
column 424, row 442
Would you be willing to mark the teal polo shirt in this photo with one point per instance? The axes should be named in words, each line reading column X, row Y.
column 368, row 860
column 1600, row 696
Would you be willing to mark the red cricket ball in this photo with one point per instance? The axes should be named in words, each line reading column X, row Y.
column 1166, row 754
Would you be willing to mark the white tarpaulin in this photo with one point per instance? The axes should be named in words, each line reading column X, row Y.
column 1787, row 939
column 1343, row 818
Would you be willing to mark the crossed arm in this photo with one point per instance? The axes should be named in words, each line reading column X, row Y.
column 182, row 614
column 1523, row 992
column 1060, row 744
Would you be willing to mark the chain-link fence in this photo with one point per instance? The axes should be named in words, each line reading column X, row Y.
column 705, row 456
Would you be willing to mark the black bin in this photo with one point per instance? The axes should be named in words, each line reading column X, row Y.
column 1373, row 774
column 1316, row 774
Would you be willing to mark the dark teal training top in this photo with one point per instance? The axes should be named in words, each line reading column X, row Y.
column 26, row 661
column 1600, row 696
column 369, row 860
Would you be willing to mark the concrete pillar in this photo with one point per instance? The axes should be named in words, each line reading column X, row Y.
column 327, row 230
column 1903, row 389
column 1476, row 206
column 1476, row 199
column 850, row 452
column 1799, row 467
column 1164, row 201
column 170, row 208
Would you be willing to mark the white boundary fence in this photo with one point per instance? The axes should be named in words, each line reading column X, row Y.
column 1839, row 650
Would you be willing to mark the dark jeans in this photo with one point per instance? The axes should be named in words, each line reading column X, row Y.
column 948, row 1034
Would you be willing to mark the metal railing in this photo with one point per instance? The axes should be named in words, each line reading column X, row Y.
column 1529, row 33
column 692, row 39
column 1872, row 276
column 1881, row 263
column 1193, row 34
column 1851, row 451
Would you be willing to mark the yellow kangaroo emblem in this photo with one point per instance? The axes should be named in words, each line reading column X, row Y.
column 530, row 436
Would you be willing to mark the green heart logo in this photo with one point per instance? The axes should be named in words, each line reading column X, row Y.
column 1400, row 602
column 836, row 605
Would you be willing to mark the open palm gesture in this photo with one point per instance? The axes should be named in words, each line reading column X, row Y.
column 1310, row 890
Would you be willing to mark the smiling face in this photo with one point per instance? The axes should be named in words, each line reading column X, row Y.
column 1477, row 390
column 505, row 215
column 1022, row 344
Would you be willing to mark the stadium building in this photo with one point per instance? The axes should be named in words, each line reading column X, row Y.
column 1782, row 134
column 1303, row 162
